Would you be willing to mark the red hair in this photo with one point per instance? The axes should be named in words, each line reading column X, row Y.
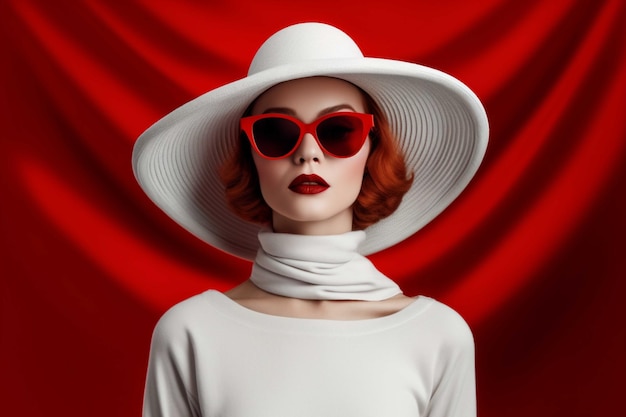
column 385, row 182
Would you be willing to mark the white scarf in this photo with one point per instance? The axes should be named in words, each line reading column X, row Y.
column 318, row 268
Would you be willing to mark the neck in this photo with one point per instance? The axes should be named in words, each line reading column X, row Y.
column 336, row 225
column 319, row 268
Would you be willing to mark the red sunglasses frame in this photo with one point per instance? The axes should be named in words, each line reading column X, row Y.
column 246, row 124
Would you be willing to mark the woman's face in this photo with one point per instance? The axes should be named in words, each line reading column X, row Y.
column 311, row 192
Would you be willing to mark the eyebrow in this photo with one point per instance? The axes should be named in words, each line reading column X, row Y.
column 291, row 112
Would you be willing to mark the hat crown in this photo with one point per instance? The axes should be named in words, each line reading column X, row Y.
column 304, row 42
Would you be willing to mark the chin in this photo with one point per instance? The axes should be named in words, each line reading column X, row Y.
column 309, row 223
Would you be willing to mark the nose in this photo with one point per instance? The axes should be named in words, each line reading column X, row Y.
column 308, row 151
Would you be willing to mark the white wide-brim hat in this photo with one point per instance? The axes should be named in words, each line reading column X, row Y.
column 439, row 122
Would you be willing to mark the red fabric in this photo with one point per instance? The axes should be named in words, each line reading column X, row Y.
column 532, row 254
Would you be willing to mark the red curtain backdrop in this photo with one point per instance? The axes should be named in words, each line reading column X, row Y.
column 532, row 254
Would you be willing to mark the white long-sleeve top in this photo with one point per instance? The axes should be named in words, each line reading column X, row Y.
column 212, row 357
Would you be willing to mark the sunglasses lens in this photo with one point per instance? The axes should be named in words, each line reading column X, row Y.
column 275, row 137
column 341, row 135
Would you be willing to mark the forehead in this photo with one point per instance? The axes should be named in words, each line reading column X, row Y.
column 310, row 95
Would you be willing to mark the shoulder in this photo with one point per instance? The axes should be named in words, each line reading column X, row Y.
column 445, row 326
column 182, row 320
column 445, row 315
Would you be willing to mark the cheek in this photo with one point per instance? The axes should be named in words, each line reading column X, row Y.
column 360, row 161
column 261, row 167
column 352, row 173
column 269, row 172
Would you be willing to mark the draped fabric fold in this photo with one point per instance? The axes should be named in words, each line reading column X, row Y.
column 532, row 254
column 319, row 268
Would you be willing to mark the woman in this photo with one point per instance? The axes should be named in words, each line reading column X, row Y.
column 325, row 156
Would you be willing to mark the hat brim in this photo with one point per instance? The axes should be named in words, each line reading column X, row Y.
column 440, row 124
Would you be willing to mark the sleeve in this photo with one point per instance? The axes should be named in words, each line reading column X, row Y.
column 170, row 384
column 454, row 394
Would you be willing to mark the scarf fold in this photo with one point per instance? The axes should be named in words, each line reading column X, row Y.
column 318, row 268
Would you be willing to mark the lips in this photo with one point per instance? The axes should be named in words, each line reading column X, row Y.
column 308, row 184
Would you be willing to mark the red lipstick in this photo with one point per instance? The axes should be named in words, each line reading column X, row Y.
column 308, row 184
